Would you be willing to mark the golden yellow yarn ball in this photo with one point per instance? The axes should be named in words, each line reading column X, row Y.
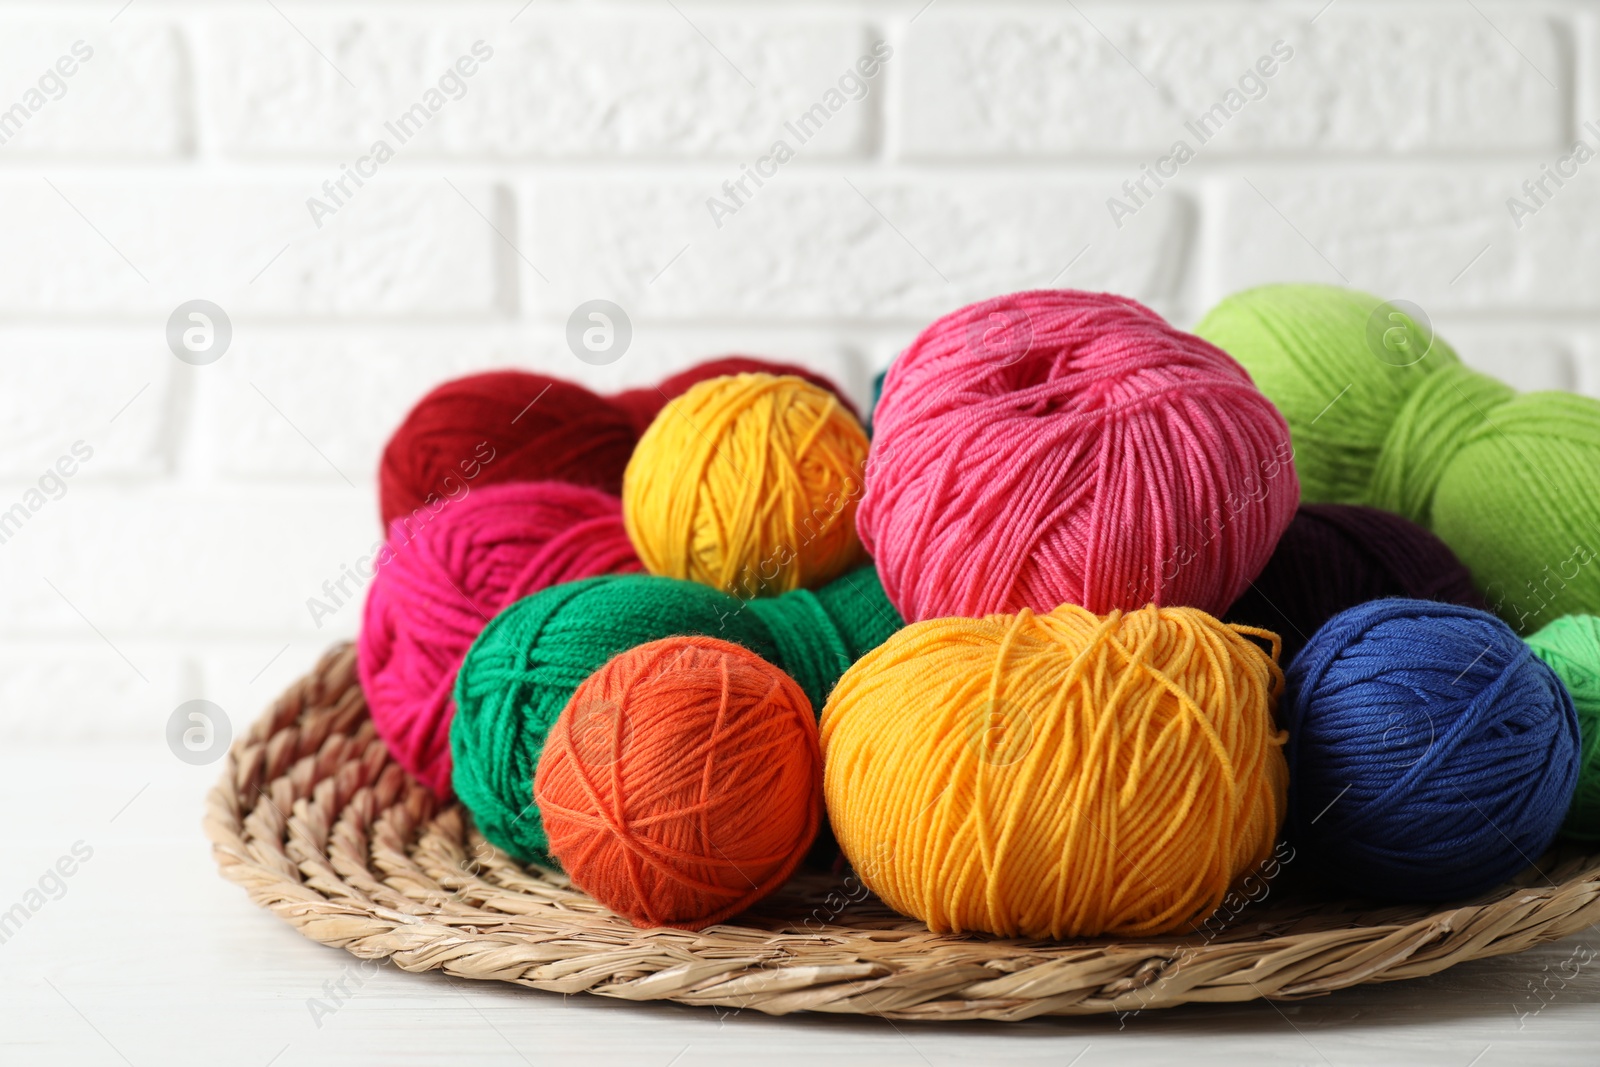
column 748, row 483
column 1060, row 775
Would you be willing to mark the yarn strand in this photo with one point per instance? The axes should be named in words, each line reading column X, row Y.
column 1057, row 775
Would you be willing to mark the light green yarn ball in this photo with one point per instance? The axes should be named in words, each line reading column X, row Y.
column 1306, row 347
column 1380, row 416
column 1571, row 647
column 1520, row 504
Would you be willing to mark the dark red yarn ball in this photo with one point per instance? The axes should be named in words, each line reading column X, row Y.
column 643, row 405
column 502, row 426
column 513, row 426
column 1335, row 556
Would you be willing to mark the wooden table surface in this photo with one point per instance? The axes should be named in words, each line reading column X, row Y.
column 144, row 955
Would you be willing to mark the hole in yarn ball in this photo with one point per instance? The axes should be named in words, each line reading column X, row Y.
column 1058, row 446
column 436, row 586
column 1433, row 755
column 748, row 484
column 1335, row 556
column 1571, row 647
column 1059, row 775
column 695, row 795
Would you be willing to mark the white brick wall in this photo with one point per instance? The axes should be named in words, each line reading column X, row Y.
column 576, row 162
column 1390, row 79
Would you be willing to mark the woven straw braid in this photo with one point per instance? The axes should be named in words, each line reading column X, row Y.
column 323, row 829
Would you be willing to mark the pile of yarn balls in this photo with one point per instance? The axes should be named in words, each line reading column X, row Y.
column 1091, row 619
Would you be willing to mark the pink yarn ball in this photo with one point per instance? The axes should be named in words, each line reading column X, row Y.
column 436, row 587
column 1058, row 446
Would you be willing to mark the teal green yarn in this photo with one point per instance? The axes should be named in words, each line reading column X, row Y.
column 877, row 394
column 806, row 642
column 861, row 610
column 529, row 660
column 1571, row 647
column 531, row 657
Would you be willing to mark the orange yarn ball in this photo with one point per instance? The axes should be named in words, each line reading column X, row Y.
column 682, row 782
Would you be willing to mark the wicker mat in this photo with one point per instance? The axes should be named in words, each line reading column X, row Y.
column 313, row 818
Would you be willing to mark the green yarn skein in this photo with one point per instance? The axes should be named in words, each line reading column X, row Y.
column 529, row 660
column 1570, row 646
column 1510, row 482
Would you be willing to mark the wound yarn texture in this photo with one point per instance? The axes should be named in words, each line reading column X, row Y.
column 436, row 589
column 530, row 659
column 1433, row 754
column 1335, row 556
column 506, row 426
column 643, row 405
column 515, row 426
column 1571, row 647
column 748, row 484
column 1058, row 446
column 1057, row 775
column 682, row 782
column 1384, row 414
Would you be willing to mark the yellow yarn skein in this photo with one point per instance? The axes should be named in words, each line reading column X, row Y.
column 1060, row 775
column 748, row 483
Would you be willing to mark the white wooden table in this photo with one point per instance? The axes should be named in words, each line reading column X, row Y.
column 150, row 958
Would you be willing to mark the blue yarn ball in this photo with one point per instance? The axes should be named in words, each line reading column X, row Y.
column 1431, row 754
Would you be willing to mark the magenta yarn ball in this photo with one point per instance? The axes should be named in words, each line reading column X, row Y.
column 442, row 576
column 1058, row 446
